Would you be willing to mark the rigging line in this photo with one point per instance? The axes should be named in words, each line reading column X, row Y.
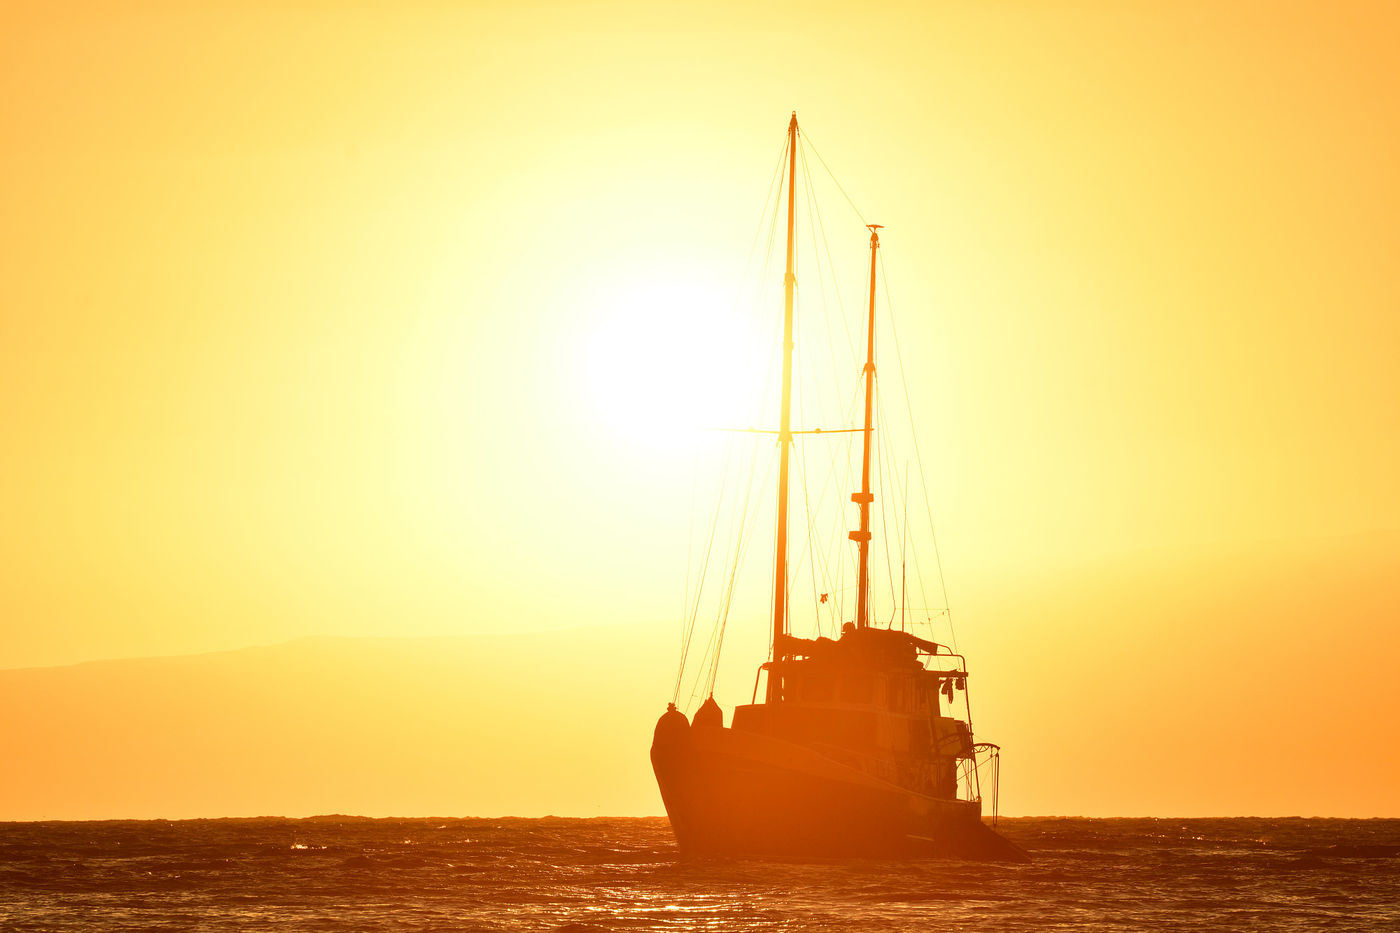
column 884, row 483
column 918, row 457
column 820, row 225
column 763, row 287
column 775, row 181
column 903, row 552
column 923, row 591
column 818, row 552
column 768, row 385
column 892, row 477
column 772, row 186
column 814, row 211
column 839, row 519
column 885, row 457
column 745, row 520
column 704, row 571
column 830, row 552
column 762, row 299
column 832, row 557
column 813, row 221
column 814, row 548
column 796, row 567
column 839, row 594
column 694, row 611
column 892, row 517
column 764, row 284
column 811, row 546
column 918, row 560
column 743, row 517
column 846, row 480
column 817, row 223
column 829, row 481
column 770, row 376
column 746, row 541
column 803, row 322
column 799, row 370
column 840, row 304
column 690, row 544
column 688, row 628
column 808, row 141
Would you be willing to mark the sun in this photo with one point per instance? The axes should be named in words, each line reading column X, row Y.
column 665, row 360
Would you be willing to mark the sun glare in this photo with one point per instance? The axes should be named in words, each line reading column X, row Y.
column 666, row 361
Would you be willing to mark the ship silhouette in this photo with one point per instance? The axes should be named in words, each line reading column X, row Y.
column 862, row 745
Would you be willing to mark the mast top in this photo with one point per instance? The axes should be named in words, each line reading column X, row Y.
column 780, row 582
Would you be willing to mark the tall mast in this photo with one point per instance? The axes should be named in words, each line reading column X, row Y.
column 865, row 496
column 784, row 429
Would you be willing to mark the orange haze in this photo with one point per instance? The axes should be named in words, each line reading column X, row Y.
column 370, row 319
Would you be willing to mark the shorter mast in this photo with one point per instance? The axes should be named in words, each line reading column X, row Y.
column 865, row 497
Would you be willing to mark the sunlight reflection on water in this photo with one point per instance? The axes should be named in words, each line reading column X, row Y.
column 623, row 874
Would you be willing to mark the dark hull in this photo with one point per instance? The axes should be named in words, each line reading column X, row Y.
column 734, row 793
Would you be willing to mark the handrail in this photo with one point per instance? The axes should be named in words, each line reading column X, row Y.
column 994, row 759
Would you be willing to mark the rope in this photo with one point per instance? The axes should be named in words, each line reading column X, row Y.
column 831, row 268
column 812, row 545
column 918, row 457
column 715, row 645
column 694, row 611
column 691, row 612
column 887, row 496
column 808, row 140
column 745, row 536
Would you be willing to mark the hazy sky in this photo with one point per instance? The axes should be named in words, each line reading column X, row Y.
column 361, row 318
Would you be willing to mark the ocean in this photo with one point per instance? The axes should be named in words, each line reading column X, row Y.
column 338, row 873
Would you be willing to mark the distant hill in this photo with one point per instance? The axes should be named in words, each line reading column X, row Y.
column 1261, row 684
column 480, row 725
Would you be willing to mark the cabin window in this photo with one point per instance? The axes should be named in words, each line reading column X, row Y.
column 855, row 688
column 809, row 687
column 898, row 696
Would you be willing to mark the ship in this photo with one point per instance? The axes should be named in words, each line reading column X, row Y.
column 861, row 746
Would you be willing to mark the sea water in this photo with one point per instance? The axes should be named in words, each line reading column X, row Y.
column 586, row 875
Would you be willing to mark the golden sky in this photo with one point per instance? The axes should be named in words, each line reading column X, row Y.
column 342, row 319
